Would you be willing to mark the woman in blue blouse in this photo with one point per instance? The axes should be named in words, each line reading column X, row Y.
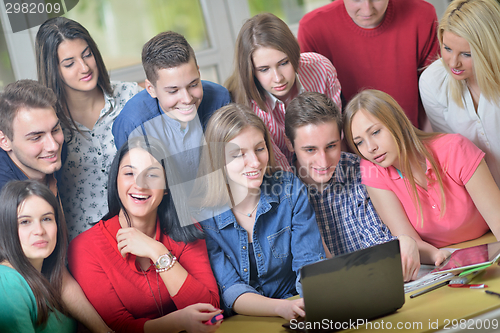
column 257, row 246
column 33, row 245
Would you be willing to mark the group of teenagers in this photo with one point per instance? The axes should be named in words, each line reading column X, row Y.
column 156, row 209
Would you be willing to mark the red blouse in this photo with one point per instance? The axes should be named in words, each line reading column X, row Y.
column 119, row 290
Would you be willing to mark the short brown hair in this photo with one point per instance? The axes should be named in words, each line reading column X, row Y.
column 23, row 94
column 310, row 108
column 166, row 50
column 262, row 30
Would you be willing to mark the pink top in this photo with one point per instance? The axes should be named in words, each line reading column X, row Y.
column 316, row 73
column 120, row 292
column 461, row 222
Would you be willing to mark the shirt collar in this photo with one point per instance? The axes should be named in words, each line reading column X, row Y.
column 109, row 104
column 272, row 100
column 394, row 174
column 227, row 218
column 175, row 123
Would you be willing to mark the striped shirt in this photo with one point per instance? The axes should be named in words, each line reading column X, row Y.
column 316, row 73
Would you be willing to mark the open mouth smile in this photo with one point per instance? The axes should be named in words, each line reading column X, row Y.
column 456, row 71
column 49, row 157
column 187, row 110
column 252, row 174
column 140, row 197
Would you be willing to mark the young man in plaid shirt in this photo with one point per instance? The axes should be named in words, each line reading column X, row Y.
column 345, row 215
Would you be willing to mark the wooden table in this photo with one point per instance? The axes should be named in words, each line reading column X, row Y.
column 435, row 310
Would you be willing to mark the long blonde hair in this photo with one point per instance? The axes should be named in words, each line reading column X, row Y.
column 224, row 125
column 478, row 22
column 409, row 140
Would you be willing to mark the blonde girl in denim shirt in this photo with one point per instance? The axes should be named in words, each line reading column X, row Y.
column 267, row 230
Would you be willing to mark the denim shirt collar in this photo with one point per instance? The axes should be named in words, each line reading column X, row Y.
column 265, row 204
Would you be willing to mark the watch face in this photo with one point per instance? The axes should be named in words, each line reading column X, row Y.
column 164, row 260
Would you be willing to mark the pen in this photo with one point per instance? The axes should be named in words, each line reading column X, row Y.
column 492, row 293
column 442, row 284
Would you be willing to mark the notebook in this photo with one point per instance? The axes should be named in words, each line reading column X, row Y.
column 354, row 287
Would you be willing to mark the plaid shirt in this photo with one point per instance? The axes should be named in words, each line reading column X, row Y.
column 345, row 214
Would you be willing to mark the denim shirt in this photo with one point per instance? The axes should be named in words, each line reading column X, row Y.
column 285, row 238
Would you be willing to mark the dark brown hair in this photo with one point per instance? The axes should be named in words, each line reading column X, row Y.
column 23, row 94
column 48, row 38
column 310, row 108
column 166, row 50
column 47, row 284
column 262, row 30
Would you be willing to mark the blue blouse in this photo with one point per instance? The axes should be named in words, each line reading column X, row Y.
column 285, row 238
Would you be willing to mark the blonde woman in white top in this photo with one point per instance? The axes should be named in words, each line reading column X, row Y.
column 461, row 91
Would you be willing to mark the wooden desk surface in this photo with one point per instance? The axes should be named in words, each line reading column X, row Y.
column 425, row 313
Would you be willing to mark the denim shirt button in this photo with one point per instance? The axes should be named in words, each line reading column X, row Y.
column 244, row 247
column 258, row 254
column 245, row 270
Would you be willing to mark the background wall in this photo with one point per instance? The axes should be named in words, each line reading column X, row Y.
column 121, row 27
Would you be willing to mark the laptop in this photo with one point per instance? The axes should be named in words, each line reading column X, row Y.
column 353, row 287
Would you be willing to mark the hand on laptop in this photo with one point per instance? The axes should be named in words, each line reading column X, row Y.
column 290, row 309
column 410, row 257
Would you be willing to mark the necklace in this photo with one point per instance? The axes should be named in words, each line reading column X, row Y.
column 249, row 214
column 158, row 307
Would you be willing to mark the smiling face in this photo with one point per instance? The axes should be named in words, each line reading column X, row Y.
column 179, row 91
column 37, row 229
column 274, row 71
column 456, row 54
column 367, row 14
column 246, row 160
column 317, row 148
column 77, row 65
column 141, row 184
column 374, row 140
column 36, row 142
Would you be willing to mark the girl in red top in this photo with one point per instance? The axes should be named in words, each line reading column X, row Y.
column 139, row 268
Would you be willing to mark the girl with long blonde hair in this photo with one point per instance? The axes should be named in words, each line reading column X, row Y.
column 433, row 187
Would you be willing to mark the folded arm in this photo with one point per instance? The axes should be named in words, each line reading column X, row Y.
column 392, row 213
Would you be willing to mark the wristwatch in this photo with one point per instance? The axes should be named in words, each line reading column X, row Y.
column 165, row 262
